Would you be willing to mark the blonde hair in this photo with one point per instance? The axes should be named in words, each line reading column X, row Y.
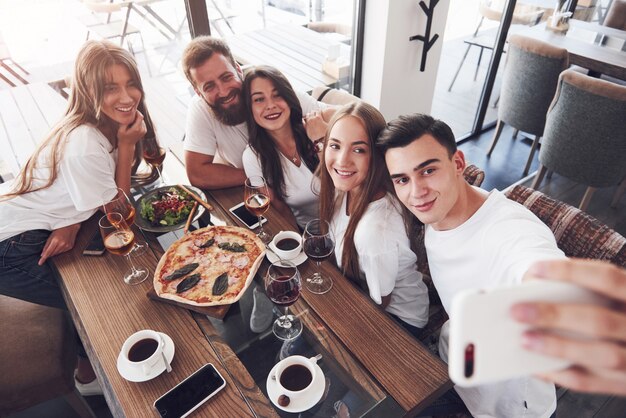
column 91, row 71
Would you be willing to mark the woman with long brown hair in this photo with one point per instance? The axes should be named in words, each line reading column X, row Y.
column 88, row 153
column 279, row 148
column 357, row 199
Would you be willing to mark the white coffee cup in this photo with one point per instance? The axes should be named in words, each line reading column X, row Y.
column 144, row 350
column 287, row 254
column 297, row 379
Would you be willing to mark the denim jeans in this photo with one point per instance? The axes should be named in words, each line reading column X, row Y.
column 20, row 275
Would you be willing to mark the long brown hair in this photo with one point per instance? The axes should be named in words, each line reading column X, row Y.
column 91, row 71
column 377, row 181
column 261, row 142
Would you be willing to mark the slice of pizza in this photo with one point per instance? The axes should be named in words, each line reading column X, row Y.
column 209, row 266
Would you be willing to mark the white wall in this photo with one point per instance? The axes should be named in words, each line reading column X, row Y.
column 391, row 79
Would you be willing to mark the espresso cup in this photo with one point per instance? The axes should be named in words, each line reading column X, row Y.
column 295, row 376
column 287, row 244
column 144, row 350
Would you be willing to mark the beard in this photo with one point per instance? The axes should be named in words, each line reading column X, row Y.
column 231, row 115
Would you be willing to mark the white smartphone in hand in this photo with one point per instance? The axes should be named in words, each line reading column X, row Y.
column 485, row 341
column 188, row 395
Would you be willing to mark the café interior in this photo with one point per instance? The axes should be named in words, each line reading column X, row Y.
column 491, row 69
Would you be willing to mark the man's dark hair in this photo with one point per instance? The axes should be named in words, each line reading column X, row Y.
column 402, row 131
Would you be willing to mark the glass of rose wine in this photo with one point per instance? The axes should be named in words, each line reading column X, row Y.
column 257, row 200
column 319, row 244
column 121, row 204
column 154, row 155
column 283, row 286
column 119, row 239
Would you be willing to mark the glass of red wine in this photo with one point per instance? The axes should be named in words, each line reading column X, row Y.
column 154, row 155
column 119, row 239
column 319, row 244
column 283, row 286
column 257, row 200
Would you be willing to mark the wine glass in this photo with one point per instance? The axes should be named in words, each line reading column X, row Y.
column 119, row 239
column 319, row 244
column 257, row 200
column 154, row 155
column 283, row 286
column 121, row 204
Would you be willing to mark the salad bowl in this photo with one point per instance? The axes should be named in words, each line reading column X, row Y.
column 175, row 218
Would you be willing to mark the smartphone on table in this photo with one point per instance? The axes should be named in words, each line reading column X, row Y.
column 192, row 392
column 95, row 246
column 243, row 214
column 485, row 341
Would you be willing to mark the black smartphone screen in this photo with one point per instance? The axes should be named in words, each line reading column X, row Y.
column 246, row 217
column 190, row 393
column 95, row 246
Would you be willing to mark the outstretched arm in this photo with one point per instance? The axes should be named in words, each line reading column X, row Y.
column 599, row 363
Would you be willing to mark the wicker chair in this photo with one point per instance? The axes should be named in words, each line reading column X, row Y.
column 530, row 79
column 584, row 138
column 38, row 353
column 578, row 234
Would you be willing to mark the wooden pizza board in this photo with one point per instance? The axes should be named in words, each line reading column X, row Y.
column 218, row 311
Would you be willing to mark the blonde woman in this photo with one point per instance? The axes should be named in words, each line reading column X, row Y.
column 356, row 198
column 92, row 149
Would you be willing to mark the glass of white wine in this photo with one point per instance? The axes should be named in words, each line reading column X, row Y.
column 119, row 239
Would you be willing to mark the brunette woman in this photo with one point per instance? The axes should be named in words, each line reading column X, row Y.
column 356, row 198
column 279, row 148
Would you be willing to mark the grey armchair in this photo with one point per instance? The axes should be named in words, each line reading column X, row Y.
column 530, row 79
column 585, row 135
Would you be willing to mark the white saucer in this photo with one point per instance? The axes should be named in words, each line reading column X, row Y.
column 272, row 257
column 301, row 404
column 135, row 374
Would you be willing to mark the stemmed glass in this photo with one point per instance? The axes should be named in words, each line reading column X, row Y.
column 283, row 285
column 257, row 200
column 319, row 244
column 119, row 239
column 121, row 204
column 154, row 155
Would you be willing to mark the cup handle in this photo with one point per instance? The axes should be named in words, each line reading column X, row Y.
column 315, row 359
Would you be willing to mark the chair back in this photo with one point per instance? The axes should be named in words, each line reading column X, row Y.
column 530, row 79
column 333, row 96
column 577, row 233
column 616, row 16
column 585, row 135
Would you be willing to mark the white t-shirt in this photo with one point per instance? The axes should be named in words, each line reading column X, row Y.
column 495, row 247
column 301, row 186
column 86, row 171
column 205, row 134
column 386, row 261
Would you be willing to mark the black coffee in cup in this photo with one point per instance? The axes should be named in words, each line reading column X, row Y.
column 142, row 349
column 287, row 244
column 295, row 377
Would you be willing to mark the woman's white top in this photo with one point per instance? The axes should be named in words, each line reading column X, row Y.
column 385, row 258
column 301, row 186
column 86, row 170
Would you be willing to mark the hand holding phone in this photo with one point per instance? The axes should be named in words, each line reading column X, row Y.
column 486, row 342
column 189, row 394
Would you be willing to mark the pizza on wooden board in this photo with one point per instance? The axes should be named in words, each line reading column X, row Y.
column 209, row 266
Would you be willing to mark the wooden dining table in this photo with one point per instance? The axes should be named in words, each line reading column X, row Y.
column 364, row 350
column 592, row 46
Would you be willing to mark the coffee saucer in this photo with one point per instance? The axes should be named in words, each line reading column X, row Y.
column 272, row 257
column 301, row 404
column 135, row 374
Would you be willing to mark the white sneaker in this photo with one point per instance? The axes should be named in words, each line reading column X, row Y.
column 88, row 389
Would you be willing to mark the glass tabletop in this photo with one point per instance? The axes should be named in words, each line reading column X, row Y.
column 247, row 329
